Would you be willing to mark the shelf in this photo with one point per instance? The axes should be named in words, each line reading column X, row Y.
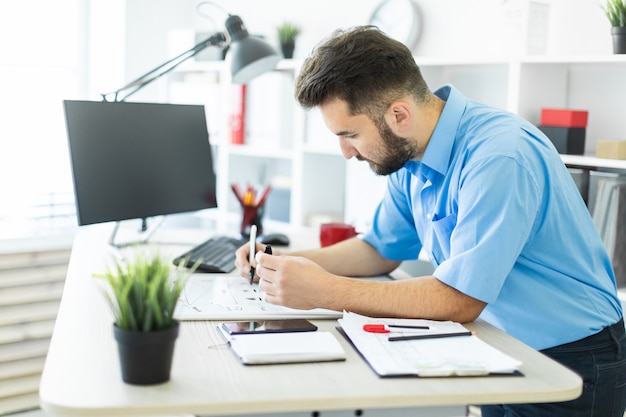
column 331, row 149
column 289, row 65
column 217, row 66
column 261, row 152
column 593, row 162
column 575, row 59
column 295, row 64
column 201, row 66
column 454, row 61
column 528, row 59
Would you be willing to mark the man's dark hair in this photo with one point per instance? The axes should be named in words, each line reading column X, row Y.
column 363, row 67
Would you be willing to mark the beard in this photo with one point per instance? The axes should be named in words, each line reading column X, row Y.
column 394, row 152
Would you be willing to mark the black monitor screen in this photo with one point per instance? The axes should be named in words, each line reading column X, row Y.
column 138, row 160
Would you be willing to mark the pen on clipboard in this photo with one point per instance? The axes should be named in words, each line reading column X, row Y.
column 252, row 251
column 428, row 336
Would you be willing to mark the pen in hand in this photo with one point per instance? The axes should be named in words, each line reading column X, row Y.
column 268, row 250
column 252, row 251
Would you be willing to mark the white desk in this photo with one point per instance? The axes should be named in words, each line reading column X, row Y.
column 82, row 378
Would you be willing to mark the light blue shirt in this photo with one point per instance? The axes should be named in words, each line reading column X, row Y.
column 495, row 208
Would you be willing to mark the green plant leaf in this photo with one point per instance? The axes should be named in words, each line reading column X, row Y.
column 615, row 11
column 143, row 292
column 287, row 32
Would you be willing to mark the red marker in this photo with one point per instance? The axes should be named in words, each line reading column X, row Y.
column 386, row 328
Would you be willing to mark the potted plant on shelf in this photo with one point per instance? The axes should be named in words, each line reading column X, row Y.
column 142, row 294
column 287, row 34
column 615, row 11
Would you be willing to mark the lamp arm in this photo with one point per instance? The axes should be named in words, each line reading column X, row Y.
column 217, row 39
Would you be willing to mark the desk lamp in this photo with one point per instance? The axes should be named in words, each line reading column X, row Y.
column 249, row 56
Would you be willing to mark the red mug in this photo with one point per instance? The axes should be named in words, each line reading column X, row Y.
column 331, row 233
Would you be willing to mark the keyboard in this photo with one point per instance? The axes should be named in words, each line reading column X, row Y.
column 217, row 254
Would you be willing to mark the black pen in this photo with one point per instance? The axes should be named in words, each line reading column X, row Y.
column 428, row 336
column 268, row 250
column 402, row 326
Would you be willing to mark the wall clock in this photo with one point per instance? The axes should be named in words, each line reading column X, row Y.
column 399, row 19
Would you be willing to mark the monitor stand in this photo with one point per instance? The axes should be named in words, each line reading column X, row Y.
column 139, row 237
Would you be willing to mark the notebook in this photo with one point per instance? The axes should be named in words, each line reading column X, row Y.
column 293, row 347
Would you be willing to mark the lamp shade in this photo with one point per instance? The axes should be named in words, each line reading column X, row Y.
column 249, row 56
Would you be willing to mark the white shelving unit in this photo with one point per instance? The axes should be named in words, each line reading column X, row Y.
column 306, row 157
column 593, row 162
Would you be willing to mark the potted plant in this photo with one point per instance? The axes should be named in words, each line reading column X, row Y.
column 287, row 34
column 142, row 294
column 615, row 11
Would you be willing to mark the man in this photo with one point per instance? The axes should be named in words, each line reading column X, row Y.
column 485, row 194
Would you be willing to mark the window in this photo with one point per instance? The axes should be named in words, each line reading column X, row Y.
column 39, row 66
column 48, row 54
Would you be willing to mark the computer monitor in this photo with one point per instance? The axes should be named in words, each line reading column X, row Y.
column 138, row 160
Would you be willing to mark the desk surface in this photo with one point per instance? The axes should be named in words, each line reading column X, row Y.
column 82, row 378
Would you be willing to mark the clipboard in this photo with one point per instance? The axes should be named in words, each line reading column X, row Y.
column 464, row 356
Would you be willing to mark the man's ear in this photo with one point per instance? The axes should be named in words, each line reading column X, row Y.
column 398, row 117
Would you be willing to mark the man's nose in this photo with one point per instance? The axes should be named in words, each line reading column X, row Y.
column 347, row 150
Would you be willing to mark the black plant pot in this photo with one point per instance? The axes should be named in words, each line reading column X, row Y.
column 287, row 49
column 619, row 39
column 146, row 357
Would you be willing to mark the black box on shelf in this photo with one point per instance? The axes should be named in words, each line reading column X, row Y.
column 566, row 140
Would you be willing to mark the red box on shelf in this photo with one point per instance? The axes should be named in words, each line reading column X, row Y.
column 564, row 117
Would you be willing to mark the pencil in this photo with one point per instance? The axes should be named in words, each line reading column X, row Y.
column 428, row 336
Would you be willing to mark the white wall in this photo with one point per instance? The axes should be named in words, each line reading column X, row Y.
column 105, row 41
column 490, row 27
column 579, row 27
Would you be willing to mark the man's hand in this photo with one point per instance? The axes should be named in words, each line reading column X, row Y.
column 292, row 281
column 242, row 256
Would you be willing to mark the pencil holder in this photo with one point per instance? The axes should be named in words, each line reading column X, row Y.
column 251, row 215
column 251, row 208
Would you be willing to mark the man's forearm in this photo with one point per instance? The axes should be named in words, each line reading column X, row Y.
column 352, row 257
column 424, row 297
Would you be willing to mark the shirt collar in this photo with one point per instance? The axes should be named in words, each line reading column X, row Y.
column 439, row 149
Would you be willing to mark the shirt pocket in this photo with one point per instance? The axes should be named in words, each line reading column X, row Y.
column 442, row 230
